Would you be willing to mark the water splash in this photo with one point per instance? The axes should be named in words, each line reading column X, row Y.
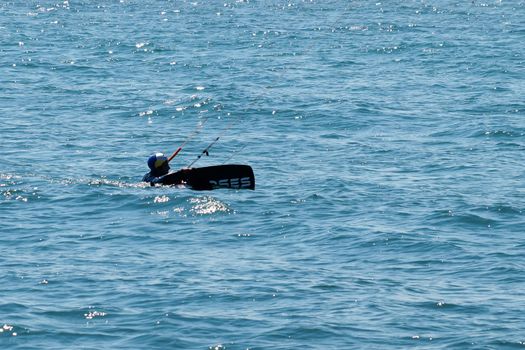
column 208, row 205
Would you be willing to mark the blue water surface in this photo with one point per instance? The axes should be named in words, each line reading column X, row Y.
column 387, row 141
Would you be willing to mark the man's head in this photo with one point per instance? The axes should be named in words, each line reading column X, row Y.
column 158, row 163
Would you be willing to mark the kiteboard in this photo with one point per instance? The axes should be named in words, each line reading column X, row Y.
column 234, row 176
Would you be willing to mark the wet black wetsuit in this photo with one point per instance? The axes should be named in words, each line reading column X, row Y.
column 175, row 178
column 155, row 175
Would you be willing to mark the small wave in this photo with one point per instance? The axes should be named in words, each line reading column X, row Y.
column 445, row 306
column 68, row 181
column 196, row 102
column 91, row 314
column 217, row 347
column 181, row 105
column 507, row 209
column 476, row 217
column 208, row 205
column 161, row 199
column 473, row 219
column 165, row 206
column 14, row 194
column 9, row 177
column 334, row 136
column 10, row 330
column 12, row 188
column 113, row 183
column 499, row 133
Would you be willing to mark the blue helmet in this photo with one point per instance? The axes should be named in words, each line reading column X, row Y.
column 158, row 163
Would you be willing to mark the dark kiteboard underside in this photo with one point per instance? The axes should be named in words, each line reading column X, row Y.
column 212, row 177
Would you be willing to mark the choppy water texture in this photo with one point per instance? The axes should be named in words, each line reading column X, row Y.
column 388, row 145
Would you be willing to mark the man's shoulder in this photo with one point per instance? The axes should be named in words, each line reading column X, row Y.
column 148, row 178
column 152, row 178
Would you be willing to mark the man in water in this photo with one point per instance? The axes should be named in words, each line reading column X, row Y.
column 159, row 166
column 206, row 178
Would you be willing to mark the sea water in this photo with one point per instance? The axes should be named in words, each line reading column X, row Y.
column 387, row 141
